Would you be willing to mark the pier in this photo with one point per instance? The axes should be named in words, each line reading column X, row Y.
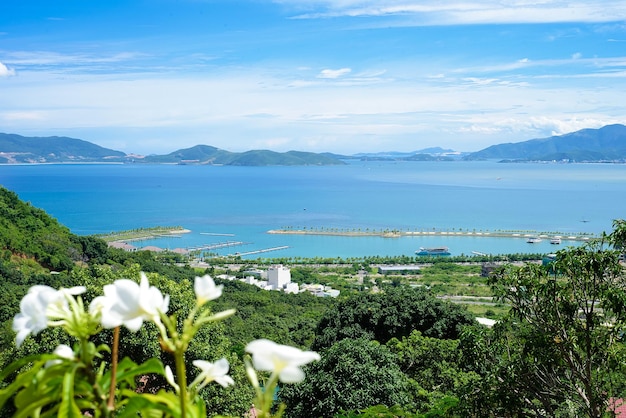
column 395, row 233
column 266, row 250
column 209, row 247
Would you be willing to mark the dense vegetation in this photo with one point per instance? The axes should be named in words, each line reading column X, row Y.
column 389, row 349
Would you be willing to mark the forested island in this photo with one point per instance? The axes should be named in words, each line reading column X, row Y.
column 606, row 144
column 391, row 345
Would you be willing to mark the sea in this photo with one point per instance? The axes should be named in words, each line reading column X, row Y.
column 231, row 209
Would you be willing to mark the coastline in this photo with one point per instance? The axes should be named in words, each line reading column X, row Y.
column 398, row 234
column 143, row 234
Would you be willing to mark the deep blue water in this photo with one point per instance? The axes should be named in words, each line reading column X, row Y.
column 249, row 201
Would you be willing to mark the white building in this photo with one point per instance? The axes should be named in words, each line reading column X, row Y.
column 278, row 277
column 292, row 288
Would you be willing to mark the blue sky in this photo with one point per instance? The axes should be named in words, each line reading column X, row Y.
column 347, row 76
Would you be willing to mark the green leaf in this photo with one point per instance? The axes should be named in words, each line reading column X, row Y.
column 68, row 407
column 18, row 364
column 23, row 380
column 33, row 408
column 128, row 370
column 148, row 405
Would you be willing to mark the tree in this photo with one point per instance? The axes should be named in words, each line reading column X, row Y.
column 568, row 323
column 396, row 312
column 434, row 365
column 352, row 374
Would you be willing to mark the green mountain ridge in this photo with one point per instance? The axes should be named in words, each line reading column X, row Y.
column 606, row 144
column 17, row 149
column 204, row 154
column 20, row 149
column 587, row 145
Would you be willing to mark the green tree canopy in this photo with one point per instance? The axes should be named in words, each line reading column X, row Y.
column 561, row 350
column 392, row 313
column 352, row 374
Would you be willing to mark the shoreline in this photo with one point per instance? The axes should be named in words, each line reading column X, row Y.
column 400, row 234
column 143, row 234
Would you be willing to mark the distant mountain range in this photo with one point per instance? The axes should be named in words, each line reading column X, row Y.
column 16, row 149
column 607, row 144
column 52, row 149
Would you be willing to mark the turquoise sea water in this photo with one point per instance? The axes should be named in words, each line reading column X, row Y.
column 246, row 202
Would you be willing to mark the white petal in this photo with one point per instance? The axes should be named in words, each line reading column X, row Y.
column 291, row 375
column 225, row 380
column 206, row 290
column 133, row 324
column 169, row 376
column 64, row 351
column 21, row 336
column 76, row 290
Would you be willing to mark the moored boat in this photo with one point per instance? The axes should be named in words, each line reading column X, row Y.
column 433, row 251
column 533, row 240
column 555, row 240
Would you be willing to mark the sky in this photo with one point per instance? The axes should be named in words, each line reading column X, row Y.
column 344, row 76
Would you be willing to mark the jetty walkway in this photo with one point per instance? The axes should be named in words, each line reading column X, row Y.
column 392, row 233
column 209, row 247
column 265, row 250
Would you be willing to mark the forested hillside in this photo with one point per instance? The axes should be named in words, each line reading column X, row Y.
column 396, row 352
column 52, row 149
column 604, row 144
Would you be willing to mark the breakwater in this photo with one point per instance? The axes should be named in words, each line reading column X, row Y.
column 394, row 233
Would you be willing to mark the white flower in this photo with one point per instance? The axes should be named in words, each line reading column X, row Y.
column 63, row 351
column 212, row 372
column 169, row 376
column 206, row 289
column 128, row 303
column 37, row 306
column 59, row 306
column 281, row 359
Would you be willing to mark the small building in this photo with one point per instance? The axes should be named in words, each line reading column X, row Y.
column 153, row 249
column 489, row 323
column 181, row 251
column 256, row 273
column 292, row 288
column 122, row 246
column 399, row 269
column 488, row 268
column 278, row 276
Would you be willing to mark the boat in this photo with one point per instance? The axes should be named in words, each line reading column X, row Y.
column 433, row 251
column 555, row 240
column 533, row 240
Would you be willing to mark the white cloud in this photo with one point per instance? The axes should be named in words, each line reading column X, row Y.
column 56, row 58
column 437, row 12
column 243, row 109
column 334, row 73
column 6, row 71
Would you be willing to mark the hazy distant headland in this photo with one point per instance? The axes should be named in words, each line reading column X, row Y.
column 606, row 144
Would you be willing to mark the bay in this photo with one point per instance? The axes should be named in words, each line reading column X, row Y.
column 224, row 203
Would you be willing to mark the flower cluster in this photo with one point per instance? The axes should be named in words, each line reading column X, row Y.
column 130, row 304
column 127, row 303
column 41, row 306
